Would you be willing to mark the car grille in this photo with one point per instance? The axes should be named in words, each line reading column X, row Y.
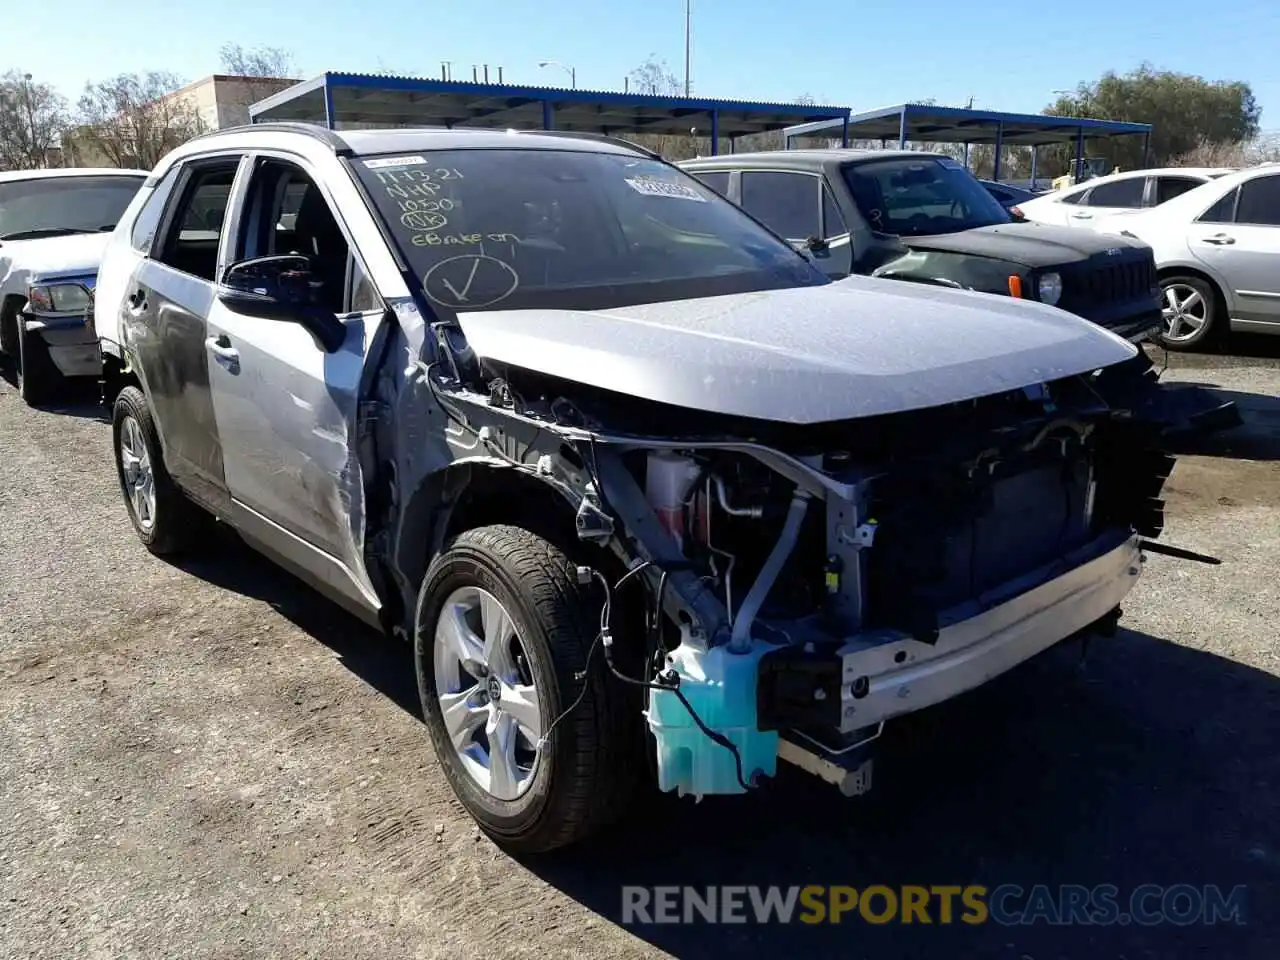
column 1125, row 280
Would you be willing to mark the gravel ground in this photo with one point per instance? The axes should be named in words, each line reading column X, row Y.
column 212, row 761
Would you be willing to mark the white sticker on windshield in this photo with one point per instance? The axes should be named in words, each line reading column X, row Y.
column 394, row 162
column 664, row 188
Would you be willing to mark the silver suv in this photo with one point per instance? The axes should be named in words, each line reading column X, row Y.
column 649, row 494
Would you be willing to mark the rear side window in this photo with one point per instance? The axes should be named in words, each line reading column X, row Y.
column 1120, row 193
column 194, row 229
column 785, row 202
column 833, row 224
column 1075, row 196
column 717, row 180
column 147, row 222
column 1260, row 202
column 1169, row 187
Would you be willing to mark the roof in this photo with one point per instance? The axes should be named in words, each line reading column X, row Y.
column 801, row 159
column 406, row 139
column 388, row 101
column 8, row 176
column 927, row 122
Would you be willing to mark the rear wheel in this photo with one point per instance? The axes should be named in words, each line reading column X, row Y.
column 1189, row 311
column 164, row 519
column 502, row 639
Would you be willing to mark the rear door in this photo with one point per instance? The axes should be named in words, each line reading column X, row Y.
column 286, row 409
column 1240, row 240
column 163, row 323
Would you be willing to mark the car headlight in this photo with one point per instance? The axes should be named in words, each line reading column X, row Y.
column 59, row 298
column 1050, row 288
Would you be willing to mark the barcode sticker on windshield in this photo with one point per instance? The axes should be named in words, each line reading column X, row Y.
column 394, row 162
column 663, row 188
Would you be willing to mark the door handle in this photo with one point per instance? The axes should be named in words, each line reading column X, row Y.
column 220, row 346
column 1219, row 239
column 1082, row 216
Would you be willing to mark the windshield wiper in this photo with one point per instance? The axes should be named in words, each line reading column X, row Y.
column 44, row 232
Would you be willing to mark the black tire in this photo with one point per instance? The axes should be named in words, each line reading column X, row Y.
column 586, row 773
column 179, row 526
column 1214, row 322
column 9, row 333
column 38, row 378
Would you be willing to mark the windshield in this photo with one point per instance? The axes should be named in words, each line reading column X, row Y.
column 514, row 229
column 50, row 206
column 915, row 197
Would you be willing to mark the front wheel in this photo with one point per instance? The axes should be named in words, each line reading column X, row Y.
column 502, row 639
column 1189, row 312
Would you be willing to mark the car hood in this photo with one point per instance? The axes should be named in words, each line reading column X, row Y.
column 22, row 259
column 856, row 348
column 1030, row 244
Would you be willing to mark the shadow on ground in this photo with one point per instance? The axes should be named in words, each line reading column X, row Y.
column 1257, row 438
column 1152, row 764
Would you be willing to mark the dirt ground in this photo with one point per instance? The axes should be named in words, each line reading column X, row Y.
column 212, row 761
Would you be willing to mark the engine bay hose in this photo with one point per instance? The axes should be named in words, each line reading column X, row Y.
column 740, row 638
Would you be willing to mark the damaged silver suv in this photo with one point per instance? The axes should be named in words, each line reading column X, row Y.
column 649, row 495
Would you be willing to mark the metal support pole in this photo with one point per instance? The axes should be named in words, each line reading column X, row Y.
column 844, row 132
column 966, row 156
column 330, row 120
column 733, row 144
column 1079, row 168
column 548, row 116
column 902, row 129
column 995, row 168
column 1035, row 159
column 715, row 132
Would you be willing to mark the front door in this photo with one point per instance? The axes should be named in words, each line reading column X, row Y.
column 799, row 208
column 287, row 409
column 169, row 298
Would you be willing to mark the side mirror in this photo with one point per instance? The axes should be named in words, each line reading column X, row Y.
column 817, row 245
column 281, row 288
column 1018, row 215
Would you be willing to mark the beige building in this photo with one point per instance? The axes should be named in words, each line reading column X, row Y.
column 223, row 101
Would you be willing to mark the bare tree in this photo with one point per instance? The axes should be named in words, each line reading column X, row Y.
column 654, row 77
column 33, row 117
column 133, row 120
column 258, row 62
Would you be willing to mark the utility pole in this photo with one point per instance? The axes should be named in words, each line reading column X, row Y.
column 688, row 27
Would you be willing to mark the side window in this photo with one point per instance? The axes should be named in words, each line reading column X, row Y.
column 717, row 180
column 833, row 224
column 147, row 222
column 190, row 243
column 1260, row 201
column 1119, row 193
column 287, row 213
column 1169, row 187
column 785, row 202
column 1074, row 196
column 364, row 296
column 1224, row 211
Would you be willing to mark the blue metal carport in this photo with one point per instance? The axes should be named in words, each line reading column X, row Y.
column 353, row 100
column 928, row 123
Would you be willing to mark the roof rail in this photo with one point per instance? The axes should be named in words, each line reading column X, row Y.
column 588, row 135
column 313, row 130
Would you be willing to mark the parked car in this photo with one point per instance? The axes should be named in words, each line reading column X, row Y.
column 1217, row 249
column 1081, row 205
column 53, row 228
column 1009, row 196
column 629, row 472
column 922, row 217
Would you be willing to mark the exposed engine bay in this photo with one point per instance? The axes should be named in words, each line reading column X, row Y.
column 814, row 581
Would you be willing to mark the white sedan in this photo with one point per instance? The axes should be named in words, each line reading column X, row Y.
column 1217, row 251
column 1083, row 204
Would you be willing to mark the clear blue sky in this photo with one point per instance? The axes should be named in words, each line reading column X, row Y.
column 868, row 55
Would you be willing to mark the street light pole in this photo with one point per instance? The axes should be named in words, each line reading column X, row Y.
column 573, row 73
column 688, row 30
column 31, row 119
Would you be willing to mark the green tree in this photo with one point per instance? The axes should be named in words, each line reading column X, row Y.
column 33, row 117
column 1185, row 110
